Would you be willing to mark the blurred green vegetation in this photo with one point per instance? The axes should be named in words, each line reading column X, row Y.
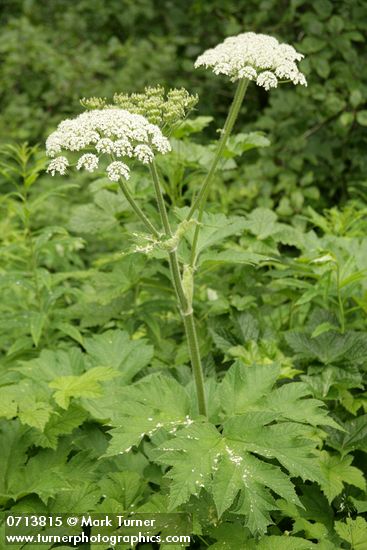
column 54, row 53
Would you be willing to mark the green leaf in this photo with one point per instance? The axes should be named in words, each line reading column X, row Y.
column 256, row 505
column 229, row 536
column 191, row 126
column 123, row 487
column 71, row 331
column 312, row 44
column 314, row 518
column 36, row 414
column 244, row 386
column 28, row 401
column 288, row 442
column 281, row 543
column 86, row 385
column 261, row 222
column 60, row 423
column 353, row 531
column 14, row 442
column 330, row 346
column 362, row 117
column 353, row 438
column 249, row 326
column 324, row 8
column 215, row 229
column 322, row 66
column 115, row 349
column 226, row 485
column 153, row 404
column 90, row 219
column 41, row 474
column 360, row 505
column 234, row 256
column 37, row 323
column 338, row 471
column 236, row 471
column 8, row 403
column 323, row 327
column 193, row 454
column 83, row 496
column 240, row 143
column 289, row 402
column 51, row 364
column 200, row 457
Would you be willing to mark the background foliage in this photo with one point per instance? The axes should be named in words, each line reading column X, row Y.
column 52, row 54
column 88, row 330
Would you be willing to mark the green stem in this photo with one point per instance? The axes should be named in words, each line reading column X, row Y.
column 190, row 328
column 138, row 211
column 200, row 200
column 340, row 301
column 184, row 303
column 160, row 200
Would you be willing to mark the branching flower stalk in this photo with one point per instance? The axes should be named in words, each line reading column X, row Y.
column 200, row 200
column 132, row 128
column 243, row 58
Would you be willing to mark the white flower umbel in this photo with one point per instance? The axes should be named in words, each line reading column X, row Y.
column 117, row 170
column 144, row 154
column 58, row 165
column 88, row 161
column 256, row 57
column 113, row 132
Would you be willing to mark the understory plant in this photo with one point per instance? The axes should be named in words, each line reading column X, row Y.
column 237, row 441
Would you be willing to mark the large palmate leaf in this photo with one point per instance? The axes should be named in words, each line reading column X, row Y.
column 330, row 347
column 200, row 457
column 250, row 388
column 258, row 424
column 85, row 385
column 115, row 349
column 157, row 402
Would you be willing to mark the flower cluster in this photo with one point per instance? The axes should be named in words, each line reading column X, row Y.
column 257, row 57
column 111, row 131
column 159, row 107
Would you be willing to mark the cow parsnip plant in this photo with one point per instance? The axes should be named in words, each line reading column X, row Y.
column 126, row 133
column 115, row 420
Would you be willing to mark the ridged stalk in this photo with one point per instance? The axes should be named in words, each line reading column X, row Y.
column 184, row 304
column 200, row 200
